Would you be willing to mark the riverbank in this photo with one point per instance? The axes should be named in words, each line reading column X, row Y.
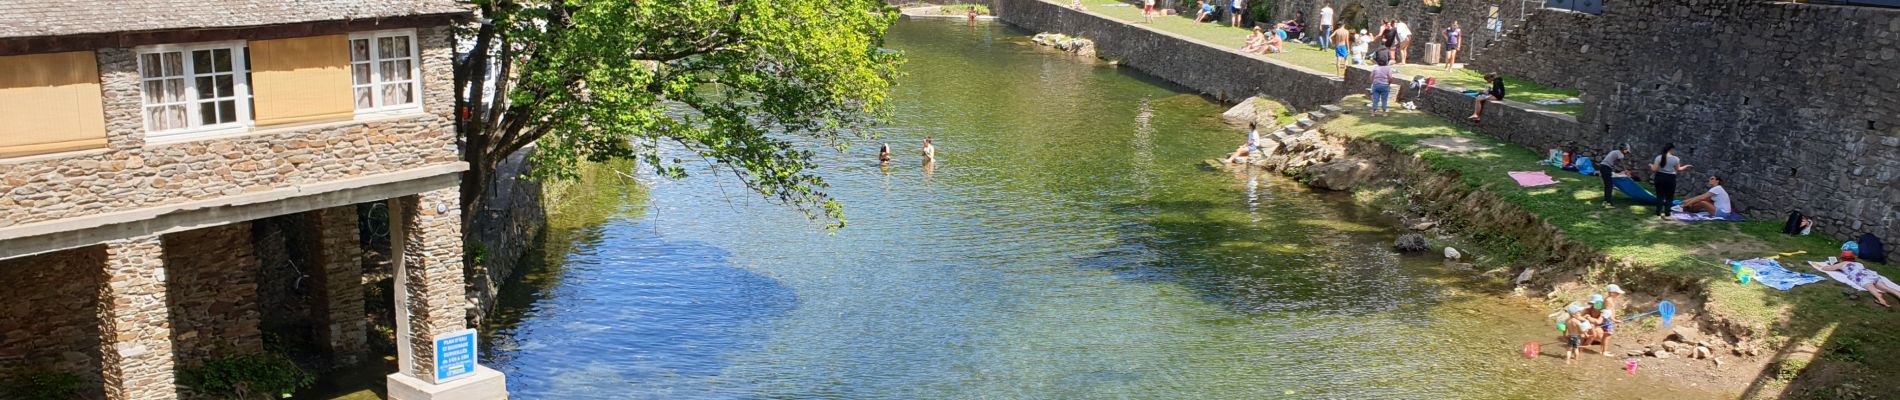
column 1809, row 341
column 1561, row 226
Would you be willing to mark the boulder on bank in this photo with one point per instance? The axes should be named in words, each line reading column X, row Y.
column 1259, row 110
column 1411, row 243
column 1340, row 174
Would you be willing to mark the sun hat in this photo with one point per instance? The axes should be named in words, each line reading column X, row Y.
column 1613, row 289
column 1574, row 308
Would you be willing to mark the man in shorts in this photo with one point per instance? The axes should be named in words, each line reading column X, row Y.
column 1341, row 38
column 1147, row 10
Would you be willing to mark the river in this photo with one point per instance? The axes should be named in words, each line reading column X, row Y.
column 1067, row 245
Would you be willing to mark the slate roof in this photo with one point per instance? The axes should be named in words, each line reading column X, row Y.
column 25, row 18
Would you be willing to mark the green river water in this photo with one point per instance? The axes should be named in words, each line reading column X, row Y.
column 1067, row 245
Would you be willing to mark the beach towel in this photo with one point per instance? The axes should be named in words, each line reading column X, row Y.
column 1635, row 191
column 1700, row 217
column 1771, row 274
column 1837, row 275
column 1532, row 178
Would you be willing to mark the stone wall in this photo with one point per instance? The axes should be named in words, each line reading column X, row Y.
column 211, row 277
column 1794, row 103
column 1224, row 73
column 508, row 224
column 132, row 173
column 49, row 319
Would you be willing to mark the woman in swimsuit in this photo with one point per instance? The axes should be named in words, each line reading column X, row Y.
column 1866, row 278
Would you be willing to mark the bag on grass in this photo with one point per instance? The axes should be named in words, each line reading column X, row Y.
column 1871, row 249
column 1797, row 224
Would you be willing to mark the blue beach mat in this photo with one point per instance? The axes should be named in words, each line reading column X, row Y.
column 1635, row 191
column 1771, row 274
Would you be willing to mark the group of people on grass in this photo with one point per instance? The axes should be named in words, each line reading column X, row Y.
column 1716, row 202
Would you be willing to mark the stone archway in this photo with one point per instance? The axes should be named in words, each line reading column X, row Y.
column 1353, row 16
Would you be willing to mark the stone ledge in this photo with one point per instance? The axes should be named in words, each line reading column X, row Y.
column 83, row 231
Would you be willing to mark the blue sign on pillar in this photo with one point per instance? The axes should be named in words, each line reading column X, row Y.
column 454, row 355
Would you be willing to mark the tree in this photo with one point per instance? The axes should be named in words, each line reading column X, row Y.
column 732, row 81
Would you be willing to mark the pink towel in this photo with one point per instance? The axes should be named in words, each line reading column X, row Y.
column 1532, row 178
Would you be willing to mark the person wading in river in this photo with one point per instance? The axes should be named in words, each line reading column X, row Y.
column 930, row 151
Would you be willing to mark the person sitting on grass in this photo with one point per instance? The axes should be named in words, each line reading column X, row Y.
column 1496, row 93
column 1256, row 41
column 1715, row 202
column 1247, row 149
column 1276, row 40
column 1866, row 278
column 1207, row 12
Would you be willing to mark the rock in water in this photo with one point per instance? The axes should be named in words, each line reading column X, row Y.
column 1411, row 243
column 1340, row 175
column 1452, row 253
column 1258, row 110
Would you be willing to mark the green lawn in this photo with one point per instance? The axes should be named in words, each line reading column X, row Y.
column 1320, row 60
column 1815, row 314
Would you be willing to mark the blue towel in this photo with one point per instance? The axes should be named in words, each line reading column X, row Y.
column 1771, row 274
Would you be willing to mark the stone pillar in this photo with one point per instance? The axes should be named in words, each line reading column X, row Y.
column 337, row 261
column 135, row 323
column 431, row 298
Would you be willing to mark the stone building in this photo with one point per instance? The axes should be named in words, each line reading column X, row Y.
column 157, row 155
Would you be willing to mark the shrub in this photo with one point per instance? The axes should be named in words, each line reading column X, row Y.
column 42, row 385
column 247, row 376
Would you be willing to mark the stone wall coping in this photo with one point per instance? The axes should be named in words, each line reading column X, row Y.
column 162, row 142
column 47, row 236
column 1193, row 40
column 153, row 144
column 1521, row 106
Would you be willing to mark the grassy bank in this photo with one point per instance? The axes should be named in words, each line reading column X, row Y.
column 1814, row 318
column 1319, row 60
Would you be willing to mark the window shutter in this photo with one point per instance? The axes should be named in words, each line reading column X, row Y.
column 50, row 103
column 301, row 80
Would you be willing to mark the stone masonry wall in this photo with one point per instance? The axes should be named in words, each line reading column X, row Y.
column 1224, row 73
column 506, row 227
column 1795, row 104
column 49, row 317
column 211, row 277
column 134, row 174
column 136, row 356
column 431, row 229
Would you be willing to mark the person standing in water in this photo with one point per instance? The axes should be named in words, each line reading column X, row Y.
column 1666, row 167
column 884, row 154
column 930, row 151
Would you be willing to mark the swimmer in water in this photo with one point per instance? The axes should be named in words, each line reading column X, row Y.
column 884, row 154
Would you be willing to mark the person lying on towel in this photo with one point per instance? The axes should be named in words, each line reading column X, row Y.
column 1715, row 202
column 1866, row 278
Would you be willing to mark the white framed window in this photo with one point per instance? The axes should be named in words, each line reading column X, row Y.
column 195, row 89
column 384, row 72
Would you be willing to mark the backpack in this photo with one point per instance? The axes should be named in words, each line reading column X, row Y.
column 1796, row 224
column 1871, row 249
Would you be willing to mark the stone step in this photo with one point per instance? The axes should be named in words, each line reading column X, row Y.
column 1293, row 128
column 1332, row 109
column 1305, row 123
column 1317, row 116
